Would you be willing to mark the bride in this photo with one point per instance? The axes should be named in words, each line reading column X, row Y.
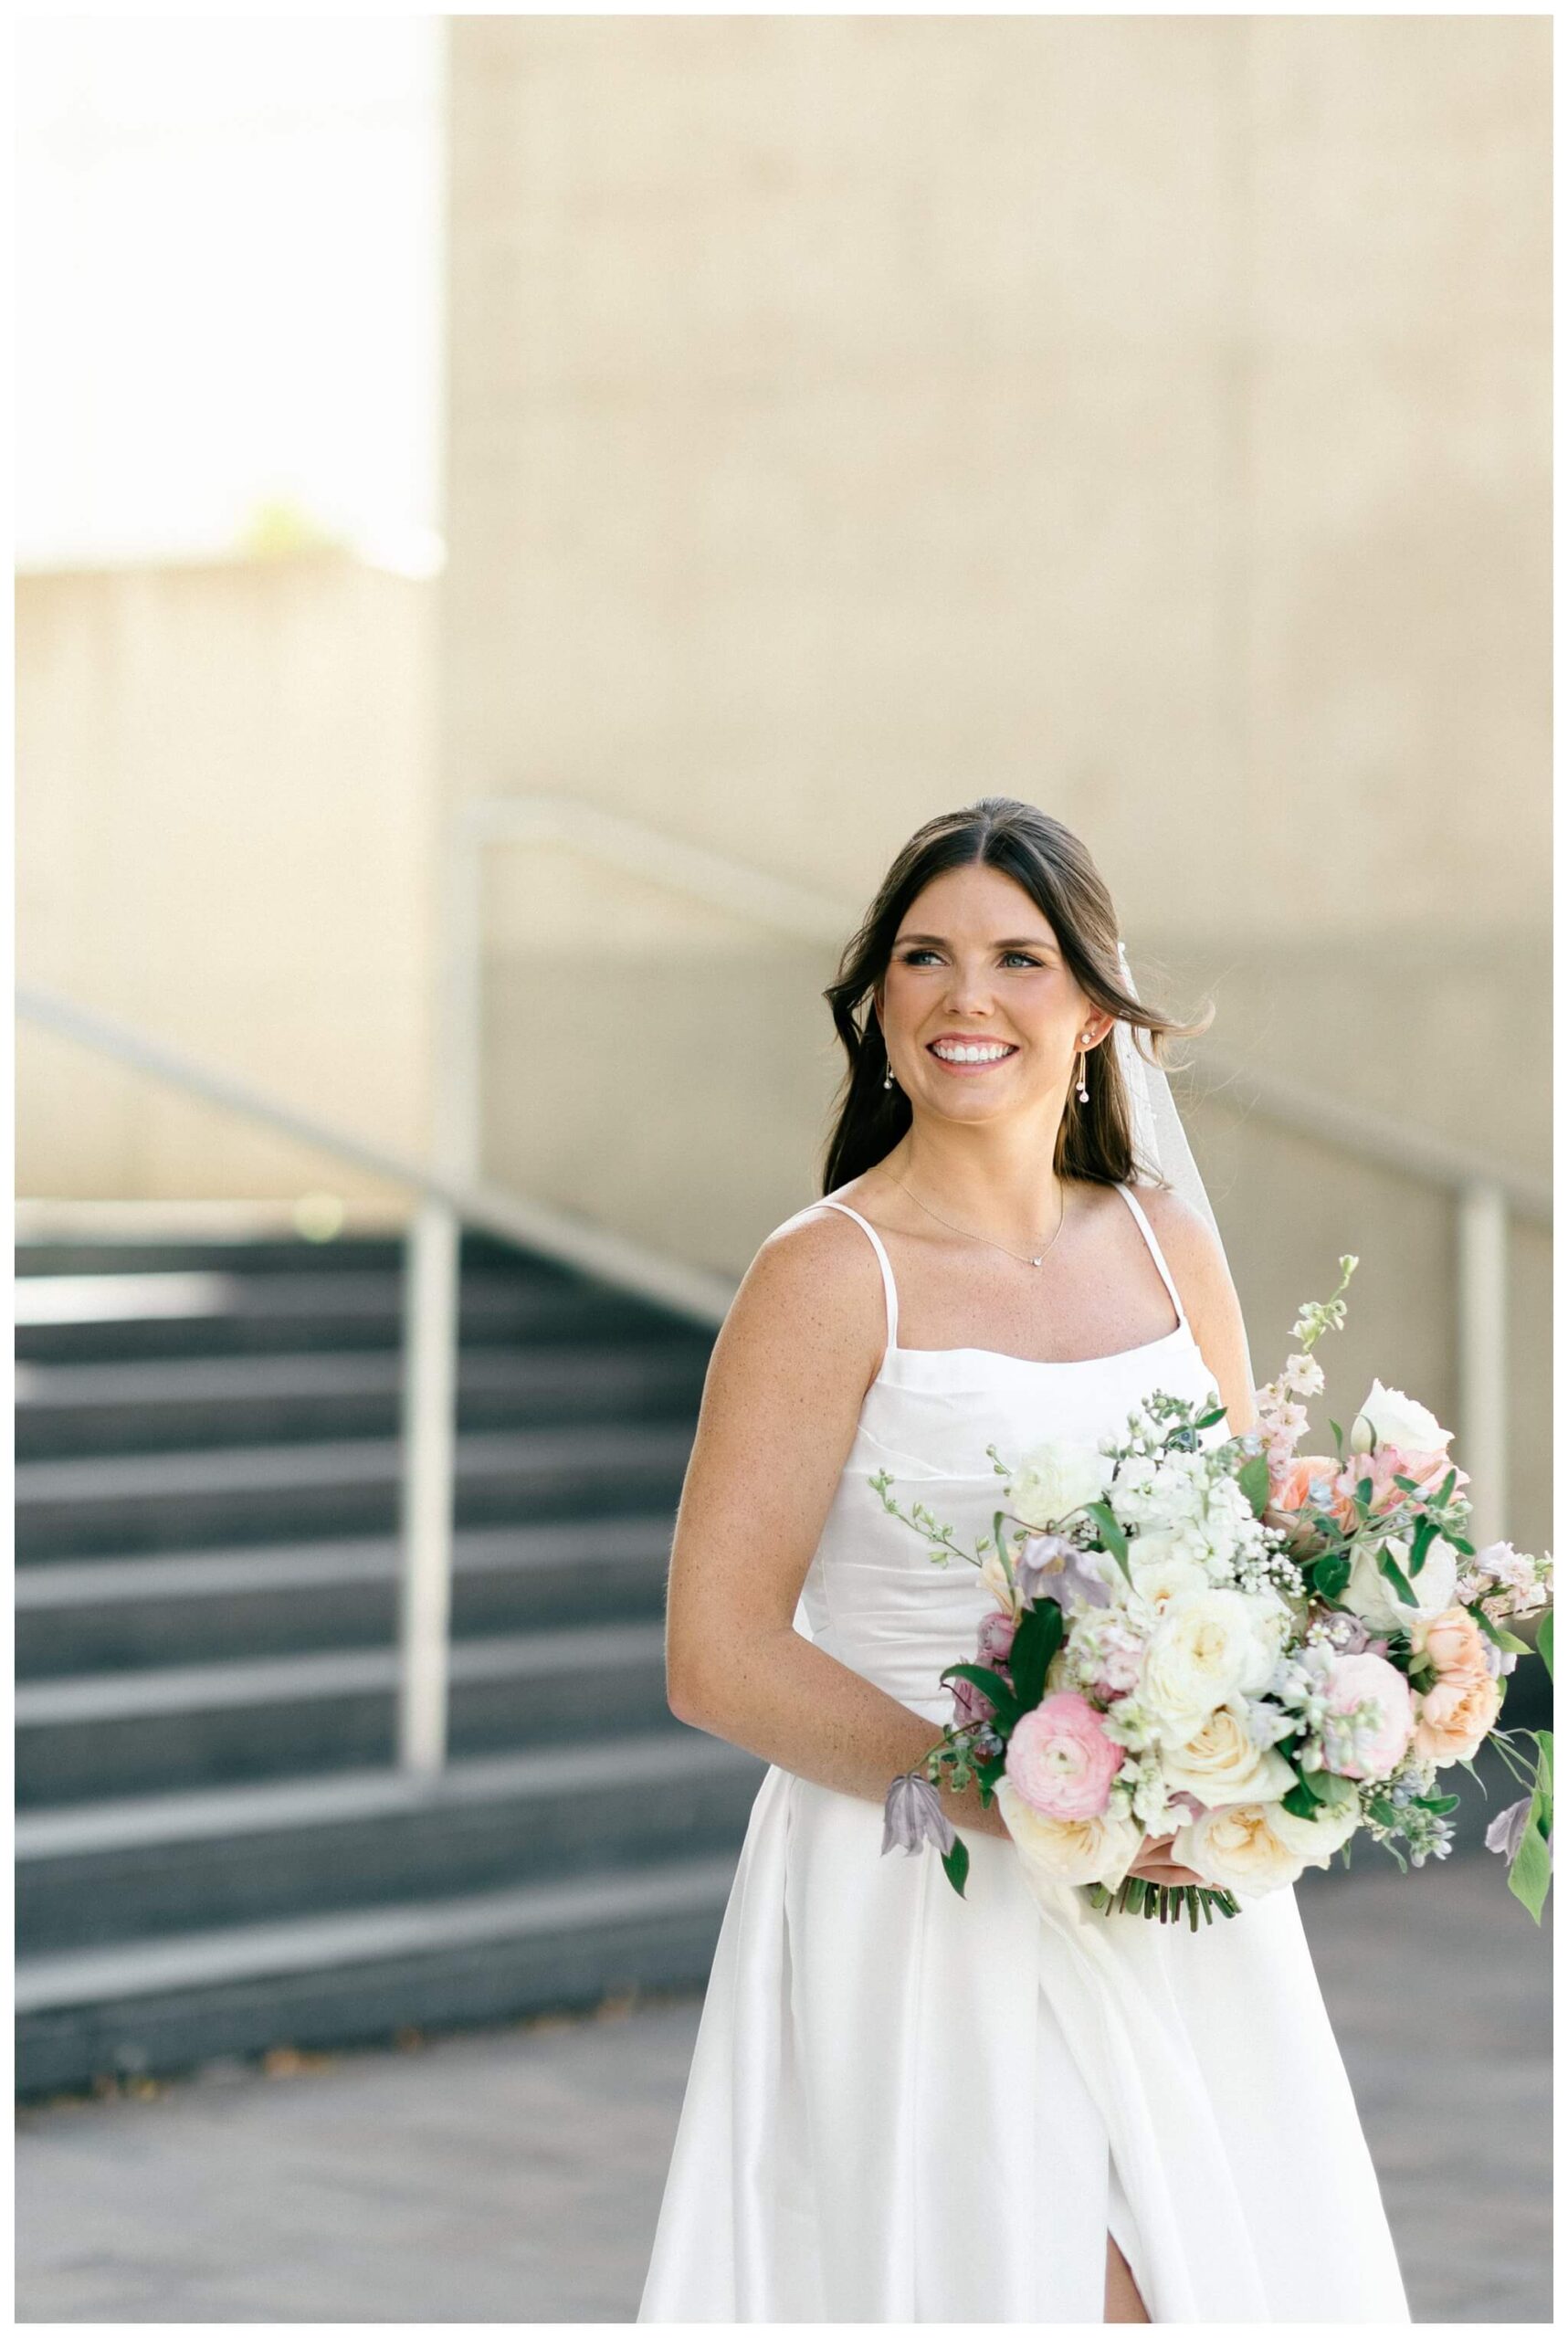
column 906, row 2106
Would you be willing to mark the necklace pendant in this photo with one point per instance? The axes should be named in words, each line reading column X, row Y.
column 1034, row 1262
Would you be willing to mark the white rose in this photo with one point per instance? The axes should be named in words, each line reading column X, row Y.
column 1220, row 1763
column 1160, row 1566
column 1057, row 1478
column 1252, row 1848
column 1068, row 1851
column 1395, row 1419
column 1208, row 1646
column 1371, row 1595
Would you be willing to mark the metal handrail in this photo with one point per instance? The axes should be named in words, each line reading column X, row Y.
column 1485, row 1194
column 428, row 1403
column 451, row 1194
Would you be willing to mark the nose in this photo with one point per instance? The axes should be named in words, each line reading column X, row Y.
column 969, row 992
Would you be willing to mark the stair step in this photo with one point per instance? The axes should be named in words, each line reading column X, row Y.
column 165, row 1404
column 337, row 1980
column 261, row 1253
column 120, row 1870
column 79, row 1739
column 156, row 1501
column 191, row 1312
column 207, row 1606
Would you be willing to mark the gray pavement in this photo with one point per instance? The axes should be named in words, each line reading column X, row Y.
column 514, row 2175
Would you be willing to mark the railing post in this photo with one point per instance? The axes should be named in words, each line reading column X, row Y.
column 429, row 1404
column 1482, row 1276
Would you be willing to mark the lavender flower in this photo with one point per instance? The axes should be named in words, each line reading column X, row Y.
column 912, row 1815
column 1506, row 1832
column 1050, row 1566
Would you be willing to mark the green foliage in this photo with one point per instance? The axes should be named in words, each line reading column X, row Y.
column 1036, row 1642
column 1389, row 1568
column 1544, row 1644
column 991, row 1684
column 1110, row 1532
column 1253, row 1480
column 1329, row 1788
column 956, row 1863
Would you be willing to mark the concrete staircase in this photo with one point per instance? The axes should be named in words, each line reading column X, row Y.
column 217, row 1854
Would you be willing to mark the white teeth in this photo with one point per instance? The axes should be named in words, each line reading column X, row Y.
column 992, row 1054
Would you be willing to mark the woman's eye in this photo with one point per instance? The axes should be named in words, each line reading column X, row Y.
column 910, row 956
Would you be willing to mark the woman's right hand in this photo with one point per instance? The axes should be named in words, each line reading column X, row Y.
column 1154, row 1864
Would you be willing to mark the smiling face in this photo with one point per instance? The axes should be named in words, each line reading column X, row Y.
column 975, row 963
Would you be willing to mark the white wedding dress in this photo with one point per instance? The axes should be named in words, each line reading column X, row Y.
column 906, row 2106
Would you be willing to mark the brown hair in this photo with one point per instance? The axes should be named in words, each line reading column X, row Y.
column 1055, row 870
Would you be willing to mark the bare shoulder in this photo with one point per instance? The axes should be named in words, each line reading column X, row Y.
column 1192, row 1249
column 814, row 1290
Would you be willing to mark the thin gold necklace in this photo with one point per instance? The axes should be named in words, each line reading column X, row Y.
column 1022, row 1258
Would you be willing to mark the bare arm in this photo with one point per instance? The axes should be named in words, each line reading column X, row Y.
column 785, row 1384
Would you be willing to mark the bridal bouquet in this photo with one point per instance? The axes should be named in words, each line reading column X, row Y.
column 1259, row 1653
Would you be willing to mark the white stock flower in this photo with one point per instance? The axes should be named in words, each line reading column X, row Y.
column 1371, row 1595
column 1302, row 1376
column 1208, row 1646
column 1068, row 1851
column 1222, row 1762
column 1252, row 1848
column 1395, row 1419
column 1057, row 1478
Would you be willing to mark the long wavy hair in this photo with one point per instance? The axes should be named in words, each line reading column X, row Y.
column 1095, row 1141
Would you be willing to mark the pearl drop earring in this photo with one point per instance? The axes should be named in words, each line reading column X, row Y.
column 1083, row 1068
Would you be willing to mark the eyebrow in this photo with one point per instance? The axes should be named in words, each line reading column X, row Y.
column 1013, row 942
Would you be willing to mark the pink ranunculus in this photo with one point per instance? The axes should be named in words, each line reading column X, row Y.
column 1061, row 1759
column 993, row 1646
column 1361, row 1679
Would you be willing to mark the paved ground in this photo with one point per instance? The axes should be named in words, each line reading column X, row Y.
column 514, row 2175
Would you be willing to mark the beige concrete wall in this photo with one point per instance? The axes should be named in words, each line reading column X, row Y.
column 1147, row 416
column 1144, row 416
column 225, row 836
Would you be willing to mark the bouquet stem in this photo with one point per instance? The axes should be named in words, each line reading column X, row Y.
column 1164, row 1900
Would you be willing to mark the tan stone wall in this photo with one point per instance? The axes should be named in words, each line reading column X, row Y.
column 225, row 836
column 1144, row 416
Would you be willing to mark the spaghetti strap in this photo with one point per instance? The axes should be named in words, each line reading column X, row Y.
column 888, row 1285
column 1136, row 1206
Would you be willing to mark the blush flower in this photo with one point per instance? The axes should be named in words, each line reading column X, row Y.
column 1454, row 1717
column 1061, row 1761
column 1371, row 1714
column 993, row 1646
column 1451, row 1642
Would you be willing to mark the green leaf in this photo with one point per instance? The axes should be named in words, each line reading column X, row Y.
column 1329, row 1788
column 1494, row 1631
column 1036, row 1642
column 993, row 1685
column 1253, row 1480
column 1530, row 1877
column 1544, row 1644
column 1301, row 1802
column 956, row 1863
column 1420, row 1542
column 1209, row 1419
column 1389, row 1568
column 1338, row 1438
column 1110, row 1532
column 1331, row 1574
column 1440, row 1802
column 1446, row 1489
